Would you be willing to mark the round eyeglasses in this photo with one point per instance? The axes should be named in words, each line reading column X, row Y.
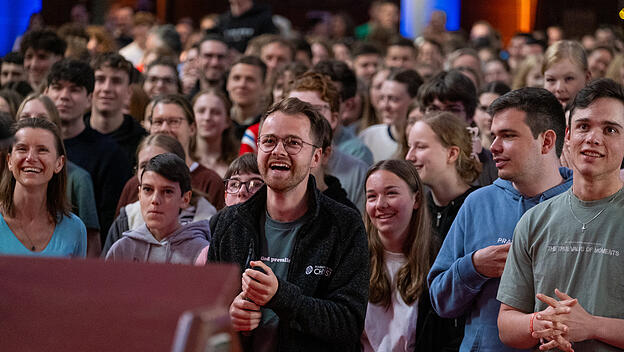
column 234, row 186
column 292, row 145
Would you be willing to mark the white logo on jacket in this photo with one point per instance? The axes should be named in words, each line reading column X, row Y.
column 318, row 270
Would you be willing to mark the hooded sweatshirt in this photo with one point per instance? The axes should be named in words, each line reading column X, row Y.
column 488, row 217
column 181, row 247
column 238, row 30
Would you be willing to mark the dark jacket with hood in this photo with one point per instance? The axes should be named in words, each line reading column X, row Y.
column 238, row 30
column 442, row 216
column 322, row 303
column 181, row 247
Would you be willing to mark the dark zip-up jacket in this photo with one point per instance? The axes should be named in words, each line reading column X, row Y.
column 433, row 333
column 321, row 304
column 442, row 217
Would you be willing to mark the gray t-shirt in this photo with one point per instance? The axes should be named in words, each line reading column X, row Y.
column 275, row 249
column 550, row 250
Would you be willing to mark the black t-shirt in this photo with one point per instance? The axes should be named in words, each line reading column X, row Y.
column 108, row 166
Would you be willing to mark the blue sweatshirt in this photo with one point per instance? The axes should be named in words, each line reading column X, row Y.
column 488, row 217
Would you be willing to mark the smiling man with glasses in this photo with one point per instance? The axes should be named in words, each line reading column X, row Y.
column 161, row 78
column 309, row 291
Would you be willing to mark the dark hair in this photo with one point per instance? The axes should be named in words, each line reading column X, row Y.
column 450, row 86
column 171, row 167
column 410, row 78
column 302, row 45
column 113, row 60
column 6, row 136
column 365, row 48
column 403, row 42
column 167, row 62
column 56, row 199
column 543, row 111
column 294, row 106
column 12, row 98
column 327, row 137
column 495, row 87
column 253, row 61
column 502, row 62
column 602, row 47
column 44, row 39
column 168, row 34
column 596, row 89
column 73, row 71
column 283, row 42
column 244, row 164
column 340, row 72
column 13, row 57
column 419, row 247
column 212, row 37
column 23, row 88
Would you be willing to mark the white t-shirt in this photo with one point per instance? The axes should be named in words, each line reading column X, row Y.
column 380, row 142
column 393, row 329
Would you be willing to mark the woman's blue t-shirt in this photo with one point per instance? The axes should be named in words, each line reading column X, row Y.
column 68, row 240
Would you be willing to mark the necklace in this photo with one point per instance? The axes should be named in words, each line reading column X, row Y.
column 584, row 227
column 32, row 248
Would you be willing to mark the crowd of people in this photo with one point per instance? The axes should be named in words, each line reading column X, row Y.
column 448, row 193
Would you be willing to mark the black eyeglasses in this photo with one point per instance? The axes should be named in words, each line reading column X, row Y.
column 234, row 186
column 292, row 145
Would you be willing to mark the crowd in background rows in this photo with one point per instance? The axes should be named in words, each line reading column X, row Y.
column 117, row 96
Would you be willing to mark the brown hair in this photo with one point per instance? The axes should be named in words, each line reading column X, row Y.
column 418, row 248
column 529, row 63
column 56, row 198
column 164, row 141
column 48, row 104
column 229, row 143
column 103, row 37
column 294, row 106
column 244, row 164
column 187, row 108
column 452, row 131
column 322, row 84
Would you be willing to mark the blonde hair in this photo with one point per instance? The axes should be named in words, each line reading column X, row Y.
column 615, row 66
column 48, row 104
column 565, row 49
column 453, row 131
column 522, row 72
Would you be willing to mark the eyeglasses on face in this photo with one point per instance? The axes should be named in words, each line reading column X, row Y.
column 173, row 122
column 292, row 145
column 233, row 186
column 164, row 80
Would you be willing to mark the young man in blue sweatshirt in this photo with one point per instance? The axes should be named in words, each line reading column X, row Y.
column 528, row 125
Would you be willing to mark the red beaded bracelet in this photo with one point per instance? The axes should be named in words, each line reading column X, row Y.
column 531, row 331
